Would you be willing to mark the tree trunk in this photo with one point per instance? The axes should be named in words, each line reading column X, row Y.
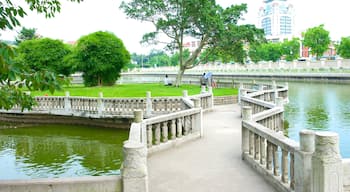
column 179, row 76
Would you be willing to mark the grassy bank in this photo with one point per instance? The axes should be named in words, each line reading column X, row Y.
column 134, row 90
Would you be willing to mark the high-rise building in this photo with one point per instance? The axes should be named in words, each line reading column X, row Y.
column 276, row 17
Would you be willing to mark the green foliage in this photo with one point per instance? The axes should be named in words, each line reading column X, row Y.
column 215, row 27
column 265, row 52
column 100, row 56
column 317, row 38
column 26, row 34
column 290, row 49
column 344, row 47
column 15, row 75
column 45, row 54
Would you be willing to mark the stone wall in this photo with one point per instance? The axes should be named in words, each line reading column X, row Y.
column 80, row 184
column 27, row 119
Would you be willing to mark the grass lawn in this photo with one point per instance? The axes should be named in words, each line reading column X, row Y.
column 134, row 90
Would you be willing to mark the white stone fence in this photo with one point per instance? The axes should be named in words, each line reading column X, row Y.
column 124, row 107
column 156, row 134
column 312, row 165
column 260, row 66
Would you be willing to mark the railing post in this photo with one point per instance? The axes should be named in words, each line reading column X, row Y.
column 240, row 92
column 100, row 104
column 303, row 163
column 134, row 168
column 197, row 125
column 247, row 116
column 148, row 104
column 184, row 93
column 203, row 89
column 327, row 170
column 211, row 99
column 67, row 103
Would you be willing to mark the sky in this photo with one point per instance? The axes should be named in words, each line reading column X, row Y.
column 76, row 20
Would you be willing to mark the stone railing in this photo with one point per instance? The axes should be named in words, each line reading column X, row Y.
column 313, row 165
column 147, row 136
column 105, row 107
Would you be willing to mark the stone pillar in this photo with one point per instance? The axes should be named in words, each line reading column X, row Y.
column 240, row 92
column 327, row 168
column 339, row 62
column 211, row 99
column 210, row 89
column 303, row 163
column 247, row 116
column 197, row 103
column 138, row 115
column 184, row 93
column 279, row 102
column 148, row 104
column 197, row 123
column 134, row 168
column 100, row 104
column 203, row 89
column 67, row 103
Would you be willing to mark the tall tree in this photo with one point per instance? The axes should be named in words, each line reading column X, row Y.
column 26, row 34
column 343, row 48
column 317, row 38
column 204, row 20
column 14, row 75
column 101, row 57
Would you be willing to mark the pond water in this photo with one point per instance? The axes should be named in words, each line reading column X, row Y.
column 320, row 106
column 54, row 151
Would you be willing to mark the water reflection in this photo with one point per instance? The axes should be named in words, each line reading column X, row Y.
column 319, row 106
column 60, row 151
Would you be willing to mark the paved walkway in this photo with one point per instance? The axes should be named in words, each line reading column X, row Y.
column 210, row 164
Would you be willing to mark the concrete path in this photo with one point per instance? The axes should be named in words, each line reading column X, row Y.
column 210, row 164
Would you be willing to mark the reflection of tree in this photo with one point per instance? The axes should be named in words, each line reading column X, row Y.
column 285, row 127
column 49, row 147
column 317, row 118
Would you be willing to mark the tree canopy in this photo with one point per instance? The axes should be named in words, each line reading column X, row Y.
column 45, row 54
column 213, row 26
column 101, row 57
column 317, row 38
column 343, row 48
column 14, row 75
column 26, row 34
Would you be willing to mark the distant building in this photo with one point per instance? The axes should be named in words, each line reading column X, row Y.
column 276, row 18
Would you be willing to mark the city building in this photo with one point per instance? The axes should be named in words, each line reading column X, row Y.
column 276, row 17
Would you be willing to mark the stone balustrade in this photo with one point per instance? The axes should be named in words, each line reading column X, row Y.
column 154, row 134
column 312, row 165
column 105, row 107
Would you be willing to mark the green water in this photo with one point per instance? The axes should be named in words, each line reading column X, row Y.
column 320, row 107
column 54, row 151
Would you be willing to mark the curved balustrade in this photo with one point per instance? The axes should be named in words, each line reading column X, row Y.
column 263, row 143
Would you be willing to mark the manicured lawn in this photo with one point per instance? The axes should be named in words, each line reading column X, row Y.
column 134, row 90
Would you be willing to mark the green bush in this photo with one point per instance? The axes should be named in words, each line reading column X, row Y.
column 101, row 57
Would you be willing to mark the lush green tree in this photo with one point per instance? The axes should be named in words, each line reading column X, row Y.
column 204, row 20
column 101, row 57
column 175, row 58
column 26, row 34
column 343, row 49
column 45, row 54
column 317, row 38
column 290, row 49
column 265, row 52
column 13, row 75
